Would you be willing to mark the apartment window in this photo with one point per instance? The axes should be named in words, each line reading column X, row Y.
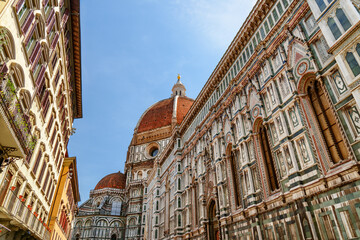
column 41, row 175
column 339, row 23
column 48, row 189
column 48, row 128
column 46, row 181
column 37, row 162
column 21, row 9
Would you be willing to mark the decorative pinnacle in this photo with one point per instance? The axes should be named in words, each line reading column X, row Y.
column 179, row 77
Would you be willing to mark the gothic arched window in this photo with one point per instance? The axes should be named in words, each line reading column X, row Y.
column 327, row 122
column 321, row 4
column 344, row 21
column 235, row 178
column 269, row 161
column 334, row 28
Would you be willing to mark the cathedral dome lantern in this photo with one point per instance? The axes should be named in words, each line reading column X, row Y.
column 179, row 88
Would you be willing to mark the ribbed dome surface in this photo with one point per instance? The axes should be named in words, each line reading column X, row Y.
column 160, row 114
column 114, row 180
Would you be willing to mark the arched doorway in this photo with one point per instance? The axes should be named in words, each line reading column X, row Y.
column 214, row 229
column 113, row 237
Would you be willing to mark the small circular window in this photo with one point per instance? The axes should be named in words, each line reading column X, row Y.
column 154, row 151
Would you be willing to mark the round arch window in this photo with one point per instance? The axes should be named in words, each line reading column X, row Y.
column 153, row 151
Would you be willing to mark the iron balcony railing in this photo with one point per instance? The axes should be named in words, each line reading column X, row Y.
column 17, row 118
column 14, row 206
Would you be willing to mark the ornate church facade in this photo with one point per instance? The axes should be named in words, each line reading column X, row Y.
column 269, row 149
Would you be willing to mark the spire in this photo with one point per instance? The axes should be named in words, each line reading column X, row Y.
column 179, row 88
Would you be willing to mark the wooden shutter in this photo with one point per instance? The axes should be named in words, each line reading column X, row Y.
column 29, row 19
column 51, row 17
column 37, row 162
column 41, row 175
column 19, row 4
column 30, row 34
column 55, row 40
column 35, row 53
column 48, row 128
column 45, row 103
column 52, row 191
column 40, row 80
column 48, row 189
column 65, row 17
column 46, row 181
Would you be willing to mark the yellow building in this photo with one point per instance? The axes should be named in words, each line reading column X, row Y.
column 65, row 201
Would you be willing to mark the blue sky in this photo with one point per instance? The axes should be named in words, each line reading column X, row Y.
column 132, row 52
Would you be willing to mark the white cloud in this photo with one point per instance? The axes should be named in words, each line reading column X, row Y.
column 216, row 20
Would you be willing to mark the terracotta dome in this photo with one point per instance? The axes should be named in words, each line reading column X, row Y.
column 114, row 180
column 161, row 113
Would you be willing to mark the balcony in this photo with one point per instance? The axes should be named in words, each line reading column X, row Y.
column 15, row 128
column 15, row 214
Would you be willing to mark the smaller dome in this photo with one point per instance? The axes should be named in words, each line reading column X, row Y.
column 114, row 180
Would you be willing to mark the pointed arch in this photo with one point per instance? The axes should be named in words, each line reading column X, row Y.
column 234, row 174
column 324, row 126
column 265, row 157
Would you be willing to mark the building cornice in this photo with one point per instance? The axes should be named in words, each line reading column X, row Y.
column 76, row 43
